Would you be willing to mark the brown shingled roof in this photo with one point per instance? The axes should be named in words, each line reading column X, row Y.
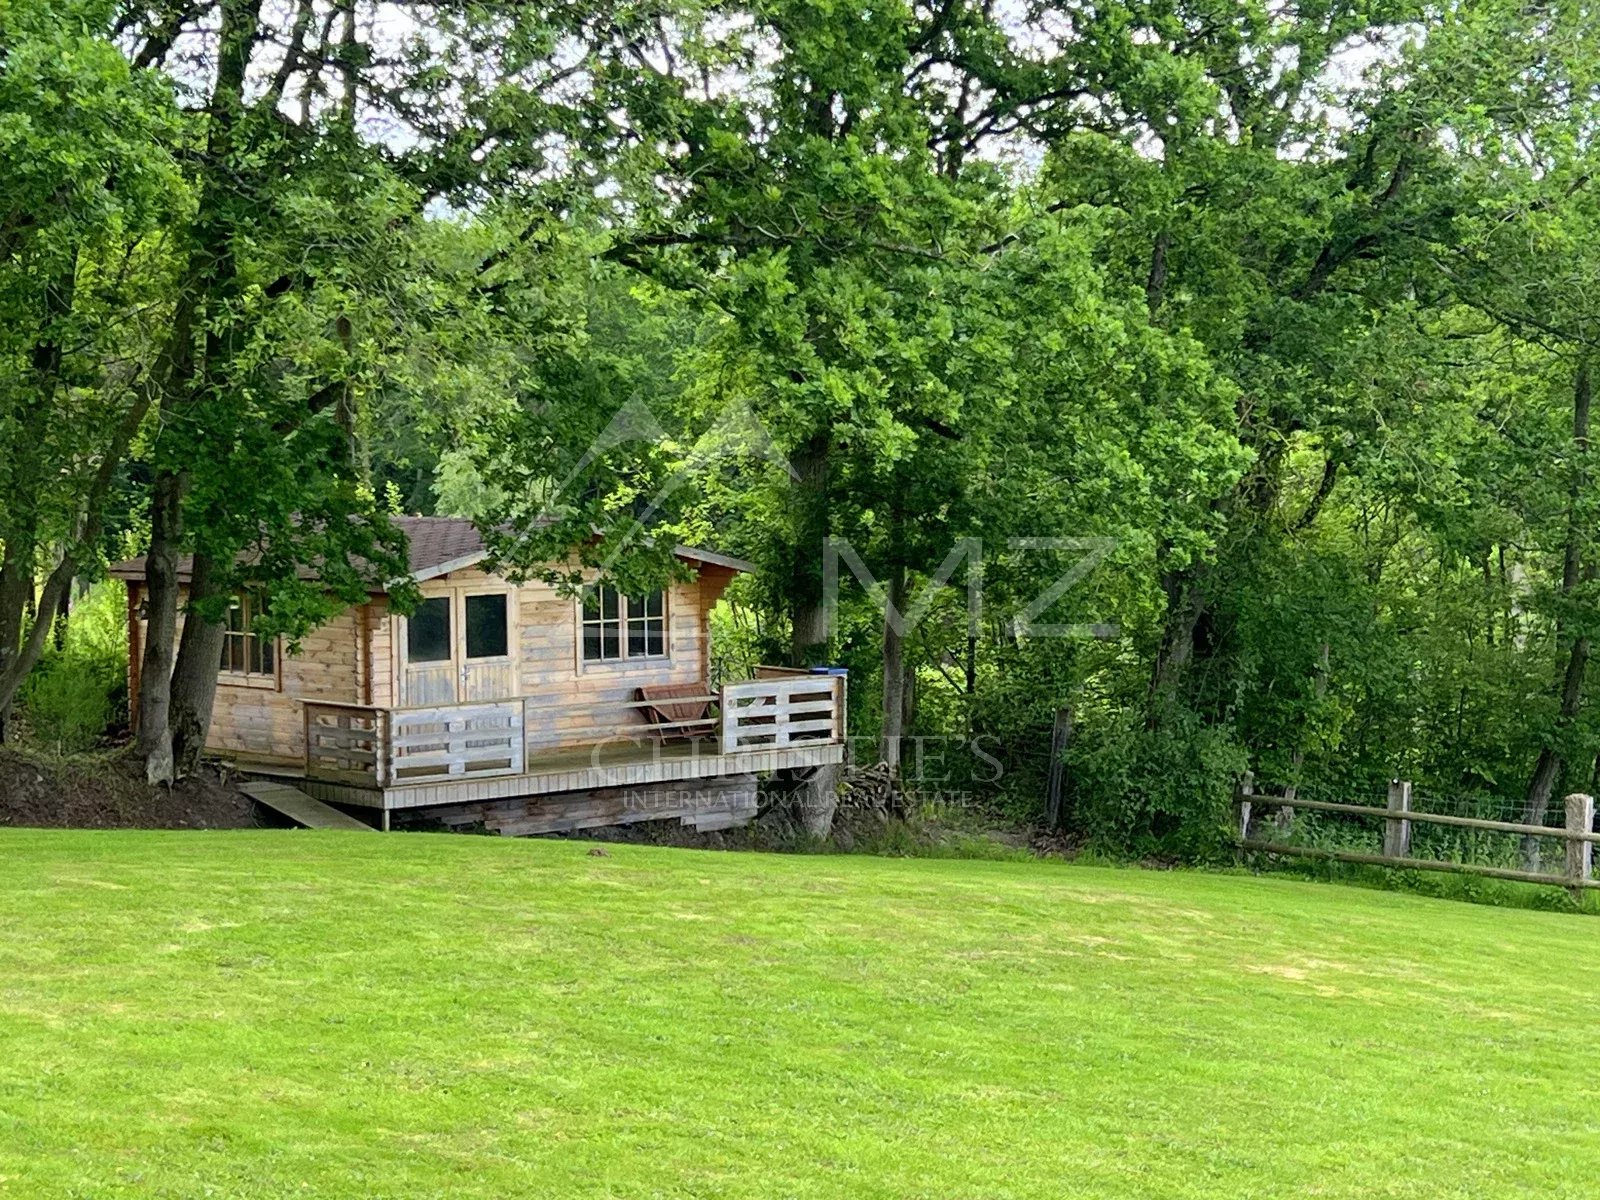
column 437, row 545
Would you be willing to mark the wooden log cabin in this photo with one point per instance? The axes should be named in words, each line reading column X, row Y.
column 516, row 707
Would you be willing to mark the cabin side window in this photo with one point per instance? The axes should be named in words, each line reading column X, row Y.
column 247, row 657
column 615, row 627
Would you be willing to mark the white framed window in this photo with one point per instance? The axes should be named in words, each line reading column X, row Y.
column 647, row 626
column 247, row 657
column 615, row 628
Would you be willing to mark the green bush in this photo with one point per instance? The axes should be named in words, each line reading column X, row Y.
column 67, row 705
column 79, row 691
column 1162, row 790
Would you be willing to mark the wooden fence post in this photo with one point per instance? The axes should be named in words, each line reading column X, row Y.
column 1247, row 787
column 1580, row 855
column 1397, row 831
column 1060, row 735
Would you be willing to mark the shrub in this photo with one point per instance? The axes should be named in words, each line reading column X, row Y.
column 77, row 692
column 1162, row 790
column 67, row 704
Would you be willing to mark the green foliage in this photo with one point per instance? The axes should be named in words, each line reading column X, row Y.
column 1167, row 790
column 80, row 690
column 1290, row 309
column 68, row 701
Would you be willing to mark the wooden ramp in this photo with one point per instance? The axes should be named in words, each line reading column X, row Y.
column 299, row 807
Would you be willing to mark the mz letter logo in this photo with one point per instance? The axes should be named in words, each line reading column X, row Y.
column 1086, row 554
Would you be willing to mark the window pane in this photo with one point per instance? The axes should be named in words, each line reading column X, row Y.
column 591, row 643
column 267, row 649
column 646, row 606
column 636, row 640
column 610, row 642
column 486, row 626
column 609, row 603
column 591, row 604
column 428, row 631
column 656, row 643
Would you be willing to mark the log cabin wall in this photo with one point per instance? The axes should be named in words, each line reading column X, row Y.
column 380, row 653
column 566, row 700
column 356, row 658
column 262, row 719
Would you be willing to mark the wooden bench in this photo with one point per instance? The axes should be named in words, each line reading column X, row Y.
column 677, row 709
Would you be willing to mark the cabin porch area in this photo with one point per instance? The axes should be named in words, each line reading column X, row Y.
column 488, row 752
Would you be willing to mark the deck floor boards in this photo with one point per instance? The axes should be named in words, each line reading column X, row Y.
column 582, row 768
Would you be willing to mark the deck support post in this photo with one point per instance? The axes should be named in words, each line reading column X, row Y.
column 1580, row 854
column 728, row 733
column 1397, row 830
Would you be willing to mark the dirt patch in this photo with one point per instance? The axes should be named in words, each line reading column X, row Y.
column 109, row 792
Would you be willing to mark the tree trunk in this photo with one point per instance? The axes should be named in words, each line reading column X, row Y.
column 161, row 606
column 16, row 670
column 210, row 278
column 808, row 642
column 16, row 582
column 908, row 698
column 20, row 527
column 894, row 673
column 194, row 677
column 1185, row 603
column 1547, row 769
column 16, row 587
column 62, row 616
column 1245, row 510
column 1155, row 285
column 818, row 800
column 84, row 534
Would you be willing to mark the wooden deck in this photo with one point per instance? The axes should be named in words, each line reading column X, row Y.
column 484, row 751
column 580, row 769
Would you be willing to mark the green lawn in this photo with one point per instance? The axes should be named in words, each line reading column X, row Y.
column 320, row 1015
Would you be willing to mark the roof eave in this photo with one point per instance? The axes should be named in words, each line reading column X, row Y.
column 713, row 559
column 460, row 563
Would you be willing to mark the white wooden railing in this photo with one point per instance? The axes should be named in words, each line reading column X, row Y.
column 346, row 742
column 455, row 741
column 357, row 743
column 386, row 747
column 781, row 711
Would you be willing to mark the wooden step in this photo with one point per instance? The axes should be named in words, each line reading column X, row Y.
column 299, row 807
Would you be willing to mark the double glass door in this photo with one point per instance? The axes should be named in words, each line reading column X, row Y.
column 458, row 647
